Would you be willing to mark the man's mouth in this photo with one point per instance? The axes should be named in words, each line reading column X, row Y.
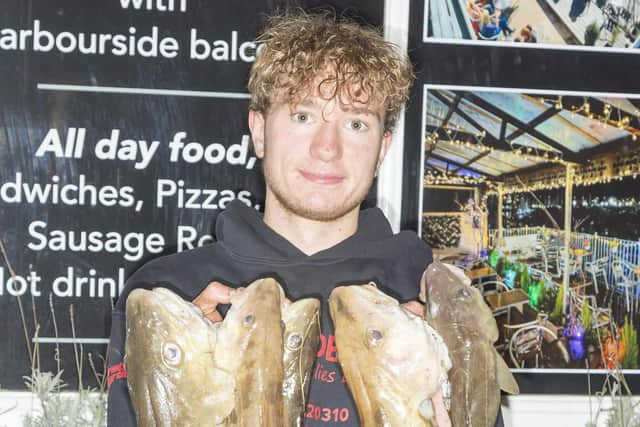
column 322, row 178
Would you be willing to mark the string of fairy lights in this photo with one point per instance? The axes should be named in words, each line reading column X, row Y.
column 605, row 169
column 529, row 153
column 611, row 116
column 441, row 178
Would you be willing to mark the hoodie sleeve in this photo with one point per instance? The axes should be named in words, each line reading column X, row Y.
column 119, row 408
column 120, row 412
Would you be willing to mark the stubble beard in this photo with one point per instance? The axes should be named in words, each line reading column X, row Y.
column 297, row 207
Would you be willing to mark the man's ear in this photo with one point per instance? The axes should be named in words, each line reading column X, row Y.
column 256, row 127
column 384, row 147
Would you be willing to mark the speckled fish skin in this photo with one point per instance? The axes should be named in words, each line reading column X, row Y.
column 301, row 341
column 225, row 374
column 465, row 322
column 170, row 375
column 394, row 363
column 254, row 355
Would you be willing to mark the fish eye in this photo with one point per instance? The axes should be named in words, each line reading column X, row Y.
column 463, row 293
column 248, row 320
column 374, row 337
column 294, row 341
column 171, row 353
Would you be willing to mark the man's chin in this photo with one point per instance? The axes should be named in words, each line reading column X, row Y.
column 318, row 211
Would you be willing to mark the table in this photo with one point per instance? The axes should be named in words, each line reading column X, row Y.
column 480, row 273
column 574, row 284
column 505, row 300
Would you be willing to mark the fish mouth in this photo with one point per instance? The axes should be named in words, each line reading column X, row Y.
column 359, row 304
column 257, row 290
column 165, row 307
column 360, row 294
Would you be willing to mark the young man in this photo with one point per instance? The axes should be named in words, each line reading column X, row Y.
column 325, row 97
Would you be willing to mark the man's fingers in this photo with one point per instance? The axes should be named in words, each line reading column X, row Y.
column 213, row 315
column 414, row 307
column 215, row 293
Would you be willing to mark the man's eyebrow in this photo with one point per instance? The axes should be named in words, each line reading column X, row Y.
column 362, row 110
column 312, row 102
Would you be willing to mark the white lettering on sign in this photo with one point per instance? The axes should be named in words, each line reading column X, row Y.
column 159, row 5
column 214, row 153
column 221, row 50
column 170, row 192
column 188, row 238
column 71, row 148
column 132, row 244
column 73, row 284
column 139, row 151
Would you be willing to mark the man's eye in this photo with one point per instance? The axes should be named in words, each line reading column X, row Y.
column 301, row 117
column 357, row 125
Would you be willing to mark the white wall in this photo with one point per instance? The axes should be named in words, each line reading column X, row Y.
column 530, row 410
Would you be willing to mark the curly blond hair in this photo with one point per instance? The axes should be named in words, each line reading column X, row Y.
column 353, row 63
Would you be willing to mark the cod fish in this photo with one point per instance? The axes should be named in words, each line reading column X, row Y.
column 301, row 341
column 186, row 371
column 393, row 361
column 458, row 312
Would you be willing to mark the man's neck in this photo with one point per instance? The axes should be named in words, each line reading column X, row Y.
column 308, row 235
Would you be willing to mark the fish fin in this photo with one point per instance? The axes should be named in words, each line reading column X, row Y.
column 506, row 381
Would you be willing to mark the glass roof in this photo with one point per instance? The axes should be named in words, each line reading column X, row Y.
column 542, row 123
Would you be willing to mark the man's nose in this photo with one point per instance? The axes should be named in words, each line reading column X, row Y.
column 327, row 142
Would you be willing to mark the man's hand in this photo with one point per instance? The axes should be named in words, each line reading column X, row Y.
column 414, row 307
column 215, row 293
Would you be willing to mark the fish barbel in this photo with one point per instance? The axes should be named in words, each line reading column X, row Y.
column 393, row 361
column 186, row 371
column 465, row 322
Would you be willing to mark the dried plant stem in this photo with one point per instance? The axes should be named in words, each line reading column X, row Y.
column 20, row 308
column 78, row 357
column 35, row 322
column 7, row 410
column 101, row 378
column 55, row 330
column 35, row 361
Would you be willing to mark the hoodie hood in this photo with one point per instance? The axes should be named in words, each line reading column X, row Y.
column 242, row 231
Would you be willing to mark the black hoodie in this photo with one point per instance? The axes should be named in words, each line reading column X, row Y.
column 247, row 249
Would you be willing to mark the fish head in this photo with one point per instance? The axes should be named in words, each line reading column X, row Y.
column 158, row 320
column 451, row 300
column 374, row 328
column 168, row 354
column 254, row 316
column 386, row 352
column 301, row 320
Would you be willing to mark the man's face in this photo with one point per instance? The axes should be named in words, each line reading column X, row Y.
column 319, row 157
